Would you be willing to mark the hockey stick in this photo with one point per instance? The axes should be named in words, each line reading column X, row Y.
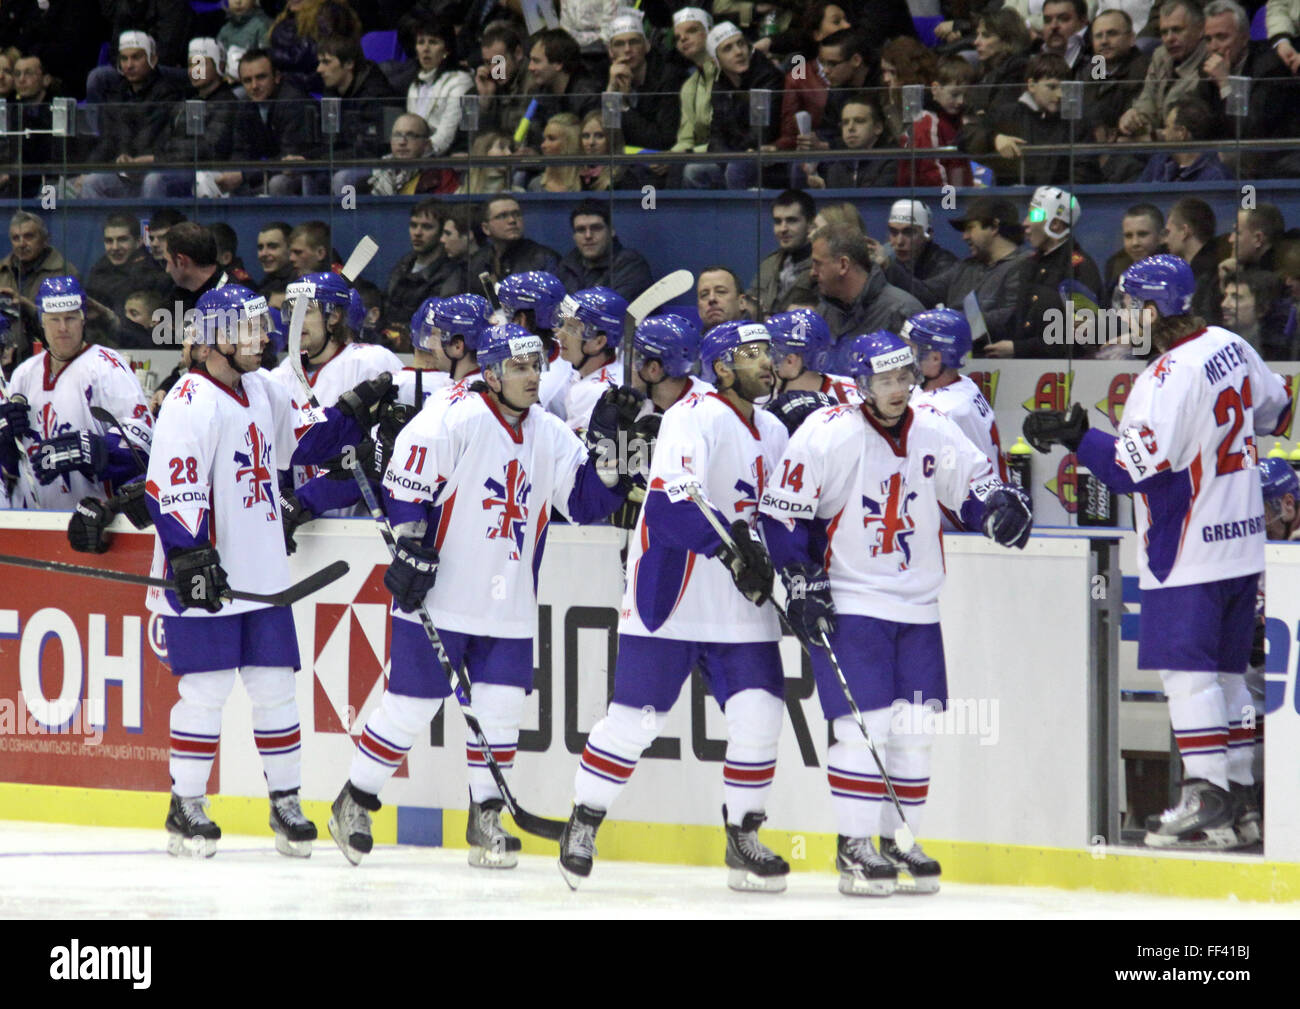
column 489, row 284
column 662, row 291
column 286, row 597
column 903, row 836
column 360, row 258
column 529, row 822
column 105, row 417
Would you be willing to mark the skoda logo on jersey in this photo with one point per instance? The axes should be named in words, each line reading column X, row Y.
column 511, row 496
column 255, row 467
column 889, row 517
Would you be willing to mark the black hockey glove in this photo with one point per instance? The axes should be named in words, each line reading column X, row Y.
column 412, row 574
column 88, row 527
column 83, row 452
column 793, row 408
column 199, row 577
column 809, row 606
column 749, row 564
column 615, row 411
column 1257, row 651
column 1008, row 519
column 14, row 421
column 362, row 402
column 130, row 502
column 292, row 515
column 1045, row 428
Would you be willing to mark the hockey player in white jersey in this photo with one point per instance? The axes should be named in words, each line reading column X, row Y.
column 224, row 431
column 59, row 453
column 1186, row 451
column 470, row 490
column 590, row 326
column 666, row 355
column 532, row 299
column 801, row 346
column 681, row 609
column 852, row 519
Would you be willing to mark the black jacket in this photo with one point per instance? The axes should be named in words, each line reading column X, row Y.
column 361, row 116
column 629, row 273
column 407, row 289
column 134, row 122
column 912, row 277
column 217, row 140
column 110, row 285
column 522, row 255
column 290, row 126
column 1040, row 278
column 654, row 110
column 730, row 129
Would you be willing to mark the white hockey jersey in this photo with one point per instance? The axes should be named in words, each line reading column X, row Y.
column 841, row 388
column 60, row 405
column 216, row 454
column 704, row 440
column 880, row 500
column 695, row 386
column 963, row 404
column 430, row 382
column 1194, row 413
column 493, row 488
column 554, row 386
column 583, row 391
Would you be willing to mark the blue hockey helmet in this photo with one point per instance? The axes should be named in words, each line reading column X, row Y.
column 60, row 294
column 941, row 329
column 329, row 289
column 465, row 315
column 670, row 340
column 1277, row 479
column 598, row 309
column 500, row 343
column 356, row 311
column 803, row 332
column 1165, row 280
column 721, row 342
column 422, row 324
column 874, row 354
column 533, row 290
column 218, row 314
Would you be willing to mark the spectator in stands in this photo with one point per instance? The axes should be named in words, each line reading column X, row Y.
column 805, row 90
column 596, row 141
column 1256, row 309
column 365, row 92
column 245, row 28
column 31, row 142
column 459, row 226
column 740, row 70
column 484, row 176
column 207, row 64
column 1280, row 23
column 848, row 60
column 816, row 22
column 7, row 60
column 295, row 36
column 912, row 257
column 718, row 298
column 228, row 260
column 1274, row 103
column 506, row 250
column 557, row 80
column 992, row 231
column 1123, row 68
column 1035, row 118
column 939, row 125
column 409, row 142
column 132, row 124
column 126, row 265
column 691, row 27
column 1033, row 14
column 560, row 139
column 65, row 34
column 31, row 259
column 191, row 263
column 1141, row 232
column 1189, row 234
column 1055, row 257
column 500, row 79
column 1253, row 243
column 903, row 61
column 435, row 93
column 855, row 296
column 648, row 83
column 309, row 248
column 162, row 221
column 273, row 254
column 1065, row 32
column 421, row 272
column 831, row 214
column 1188, row 121
column 168, row 23
column 598, row 258
column 135, row 331
column 861, row 126
column 786, row 272
column 1001, row 43
column 275, row 123
column 1175, row 68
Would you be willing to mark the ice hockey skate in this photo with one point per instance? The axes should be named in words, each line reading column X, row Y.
column 294, row 833
column 350, row 822
column 190, row 831
column 1248, row 823
column 578, row 844
column 922, row 871
column 754, row 866
column 864, row 872
column 1203, row 819
column 490, row 845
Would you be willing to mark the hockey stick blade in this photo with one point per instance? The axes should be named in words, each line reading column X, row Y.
column 489, row 285
column 662, row 291
column 299, row 590
column 360, row 258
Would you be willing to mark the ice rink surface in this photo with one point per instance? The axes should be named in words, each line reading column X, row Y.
column 70, row 872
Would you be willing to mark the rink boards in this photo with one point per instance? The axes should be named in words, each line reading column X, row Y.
column 1013, row 783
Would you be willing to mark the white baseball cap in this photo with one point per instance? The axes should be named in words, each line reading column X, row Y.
column 909, row 213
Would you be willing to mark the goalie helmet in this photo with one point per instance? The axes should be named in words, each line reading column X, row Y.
column 534, row 290
column 60, row 294
column 941, row 329
column 669, row 339
column 803, row 332
column 720, row 343
column 599, row 310
column 500, row 343
column 465, row 315
column 422, row 324
column 218, row 314
column 1165, row 280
